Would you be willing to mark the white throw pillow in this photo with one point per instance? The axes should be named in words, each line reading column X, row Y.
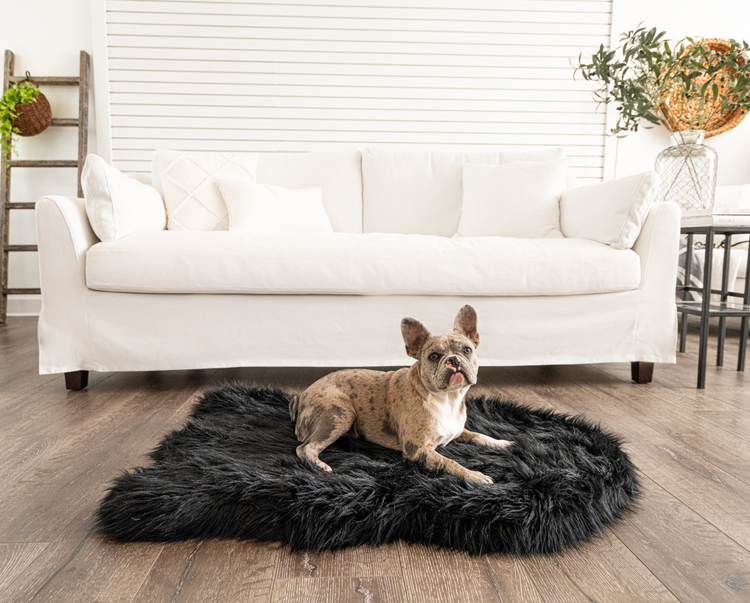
column 269, row 209
column 518, row 199
column 610, row 212
column 117, row 205
column 189, row 185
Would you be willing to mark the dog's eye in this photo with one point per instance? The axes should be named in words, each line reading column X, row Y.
column 434, row 356
column 467, row 350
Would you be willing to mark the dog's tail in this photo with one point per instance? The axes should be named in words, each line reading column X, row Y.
column 293, row 406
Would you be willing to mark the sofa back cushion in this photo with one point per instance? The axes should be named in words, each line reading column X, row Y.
column 518, row 199
column 338, row 173
column 420, row 191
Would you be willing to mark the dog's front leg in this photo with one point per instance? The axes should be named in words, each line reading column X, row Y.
column 482, row 440
column 438, row 461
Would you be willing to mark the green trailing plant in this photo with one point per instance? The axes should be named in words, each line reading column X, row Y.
column 681, row 86
column 20, row 93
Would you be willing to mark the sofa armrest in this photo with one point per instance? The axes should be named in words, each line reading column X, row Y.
column 64, row 236
column 658, row 246
column 656, row 321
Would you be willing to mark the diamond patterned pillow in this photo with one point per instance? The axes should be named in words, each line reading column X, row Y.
column 189, row 186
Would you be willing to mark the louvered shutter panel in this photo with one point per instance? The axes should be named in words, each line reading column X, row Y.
column 301, row 75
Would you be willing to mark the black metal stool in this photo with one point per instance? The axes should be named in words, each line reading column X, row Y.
column 707, row 309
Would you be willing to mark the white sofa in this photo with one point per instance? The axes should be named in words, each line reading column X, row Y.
column 188, row 300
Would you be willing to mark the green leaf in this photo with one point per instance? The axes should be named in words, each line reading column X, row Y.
column 648, row 68
column 16, row 94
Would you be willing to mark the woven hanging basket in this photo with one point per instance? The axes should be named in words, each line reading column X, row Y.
column 722, row 121
column 35, row 117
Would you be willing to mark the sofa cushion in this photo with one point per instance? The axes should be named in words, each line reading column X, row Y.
column 338, row 173
column 118, row 205
column 265, row 208
column 609, row 212
column 189, row 185
column 420, row 191
column 518, row 199
column 372, row 264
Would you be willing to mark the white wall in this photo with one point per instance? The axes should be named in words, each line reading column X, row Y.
column 680, row 18
column 61, row 29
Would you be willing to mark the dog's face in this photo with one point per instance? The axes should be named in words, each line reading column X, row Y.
column 447, row 362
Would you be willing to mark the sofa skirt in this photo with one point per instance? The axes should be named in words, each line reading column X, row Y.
column 140, row 332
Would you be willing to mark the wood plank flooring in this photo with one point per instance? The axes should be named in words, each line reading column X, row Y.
column 688, row 541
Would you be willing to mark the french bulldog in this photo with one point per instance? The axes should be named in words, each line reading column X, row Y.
column 414, row 410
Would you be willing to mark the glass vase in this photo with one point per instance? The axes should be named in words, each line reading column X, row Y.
column 688, row 171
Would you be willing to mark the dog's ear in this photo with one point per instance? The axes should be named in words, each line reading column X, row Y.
column 466, row 324
column 415, row 335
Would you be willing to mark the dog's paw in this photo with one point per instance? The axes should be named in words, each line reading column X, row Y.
column 500, row 444
column 323, row 466
column 478, row 477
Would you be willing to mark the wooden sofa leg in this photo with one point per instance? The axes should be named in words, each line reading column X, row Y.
column 642, row 372
column 76, row 380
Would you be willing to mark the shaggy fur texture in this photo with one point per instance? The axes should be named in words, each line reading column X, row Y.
column 232, row 472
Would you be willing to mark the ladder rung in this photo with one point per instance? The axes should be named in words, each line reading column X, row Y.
column 50, row 81
column 59, row 121
column 44, row 163
column 21, row 205
column 24, row 291
column 21, row 248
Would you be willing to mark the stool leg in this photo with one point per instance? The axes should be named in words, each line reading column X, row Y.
column 705, row 307
column 743, row 334
column 683, row 330
column 687, row 282
column 724, row 289
column 702, row 353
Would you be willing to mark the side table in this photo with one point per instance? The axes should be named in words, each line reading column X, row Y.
column 707, row 309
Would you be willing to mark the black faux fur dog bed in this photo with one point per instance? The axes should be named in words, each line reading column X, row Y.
column 232, row 472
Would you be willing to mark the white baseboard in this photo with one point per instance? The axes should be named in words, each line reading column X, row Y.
column 24, row 305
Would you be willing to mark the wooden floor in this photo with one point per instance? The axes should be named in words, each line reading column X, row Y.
column 689, row 541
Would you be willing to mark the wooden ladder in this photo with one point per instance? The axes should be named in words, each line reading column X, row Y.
column 82, row 123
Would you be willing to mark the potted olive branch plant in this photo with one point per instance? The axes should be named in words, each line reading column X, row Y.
column 22, row 93
column 682, row 87
column 693, row 87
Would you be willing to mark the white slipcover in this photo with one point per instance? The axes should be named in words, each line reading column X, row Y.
column 357, row 264
column 82, row 329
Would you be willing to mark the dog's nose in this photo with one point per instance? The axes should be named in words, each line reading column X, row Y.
column 453, row 361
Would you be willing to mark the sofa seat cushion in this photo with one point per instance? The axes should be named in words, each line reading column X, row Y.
column 357, row 264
